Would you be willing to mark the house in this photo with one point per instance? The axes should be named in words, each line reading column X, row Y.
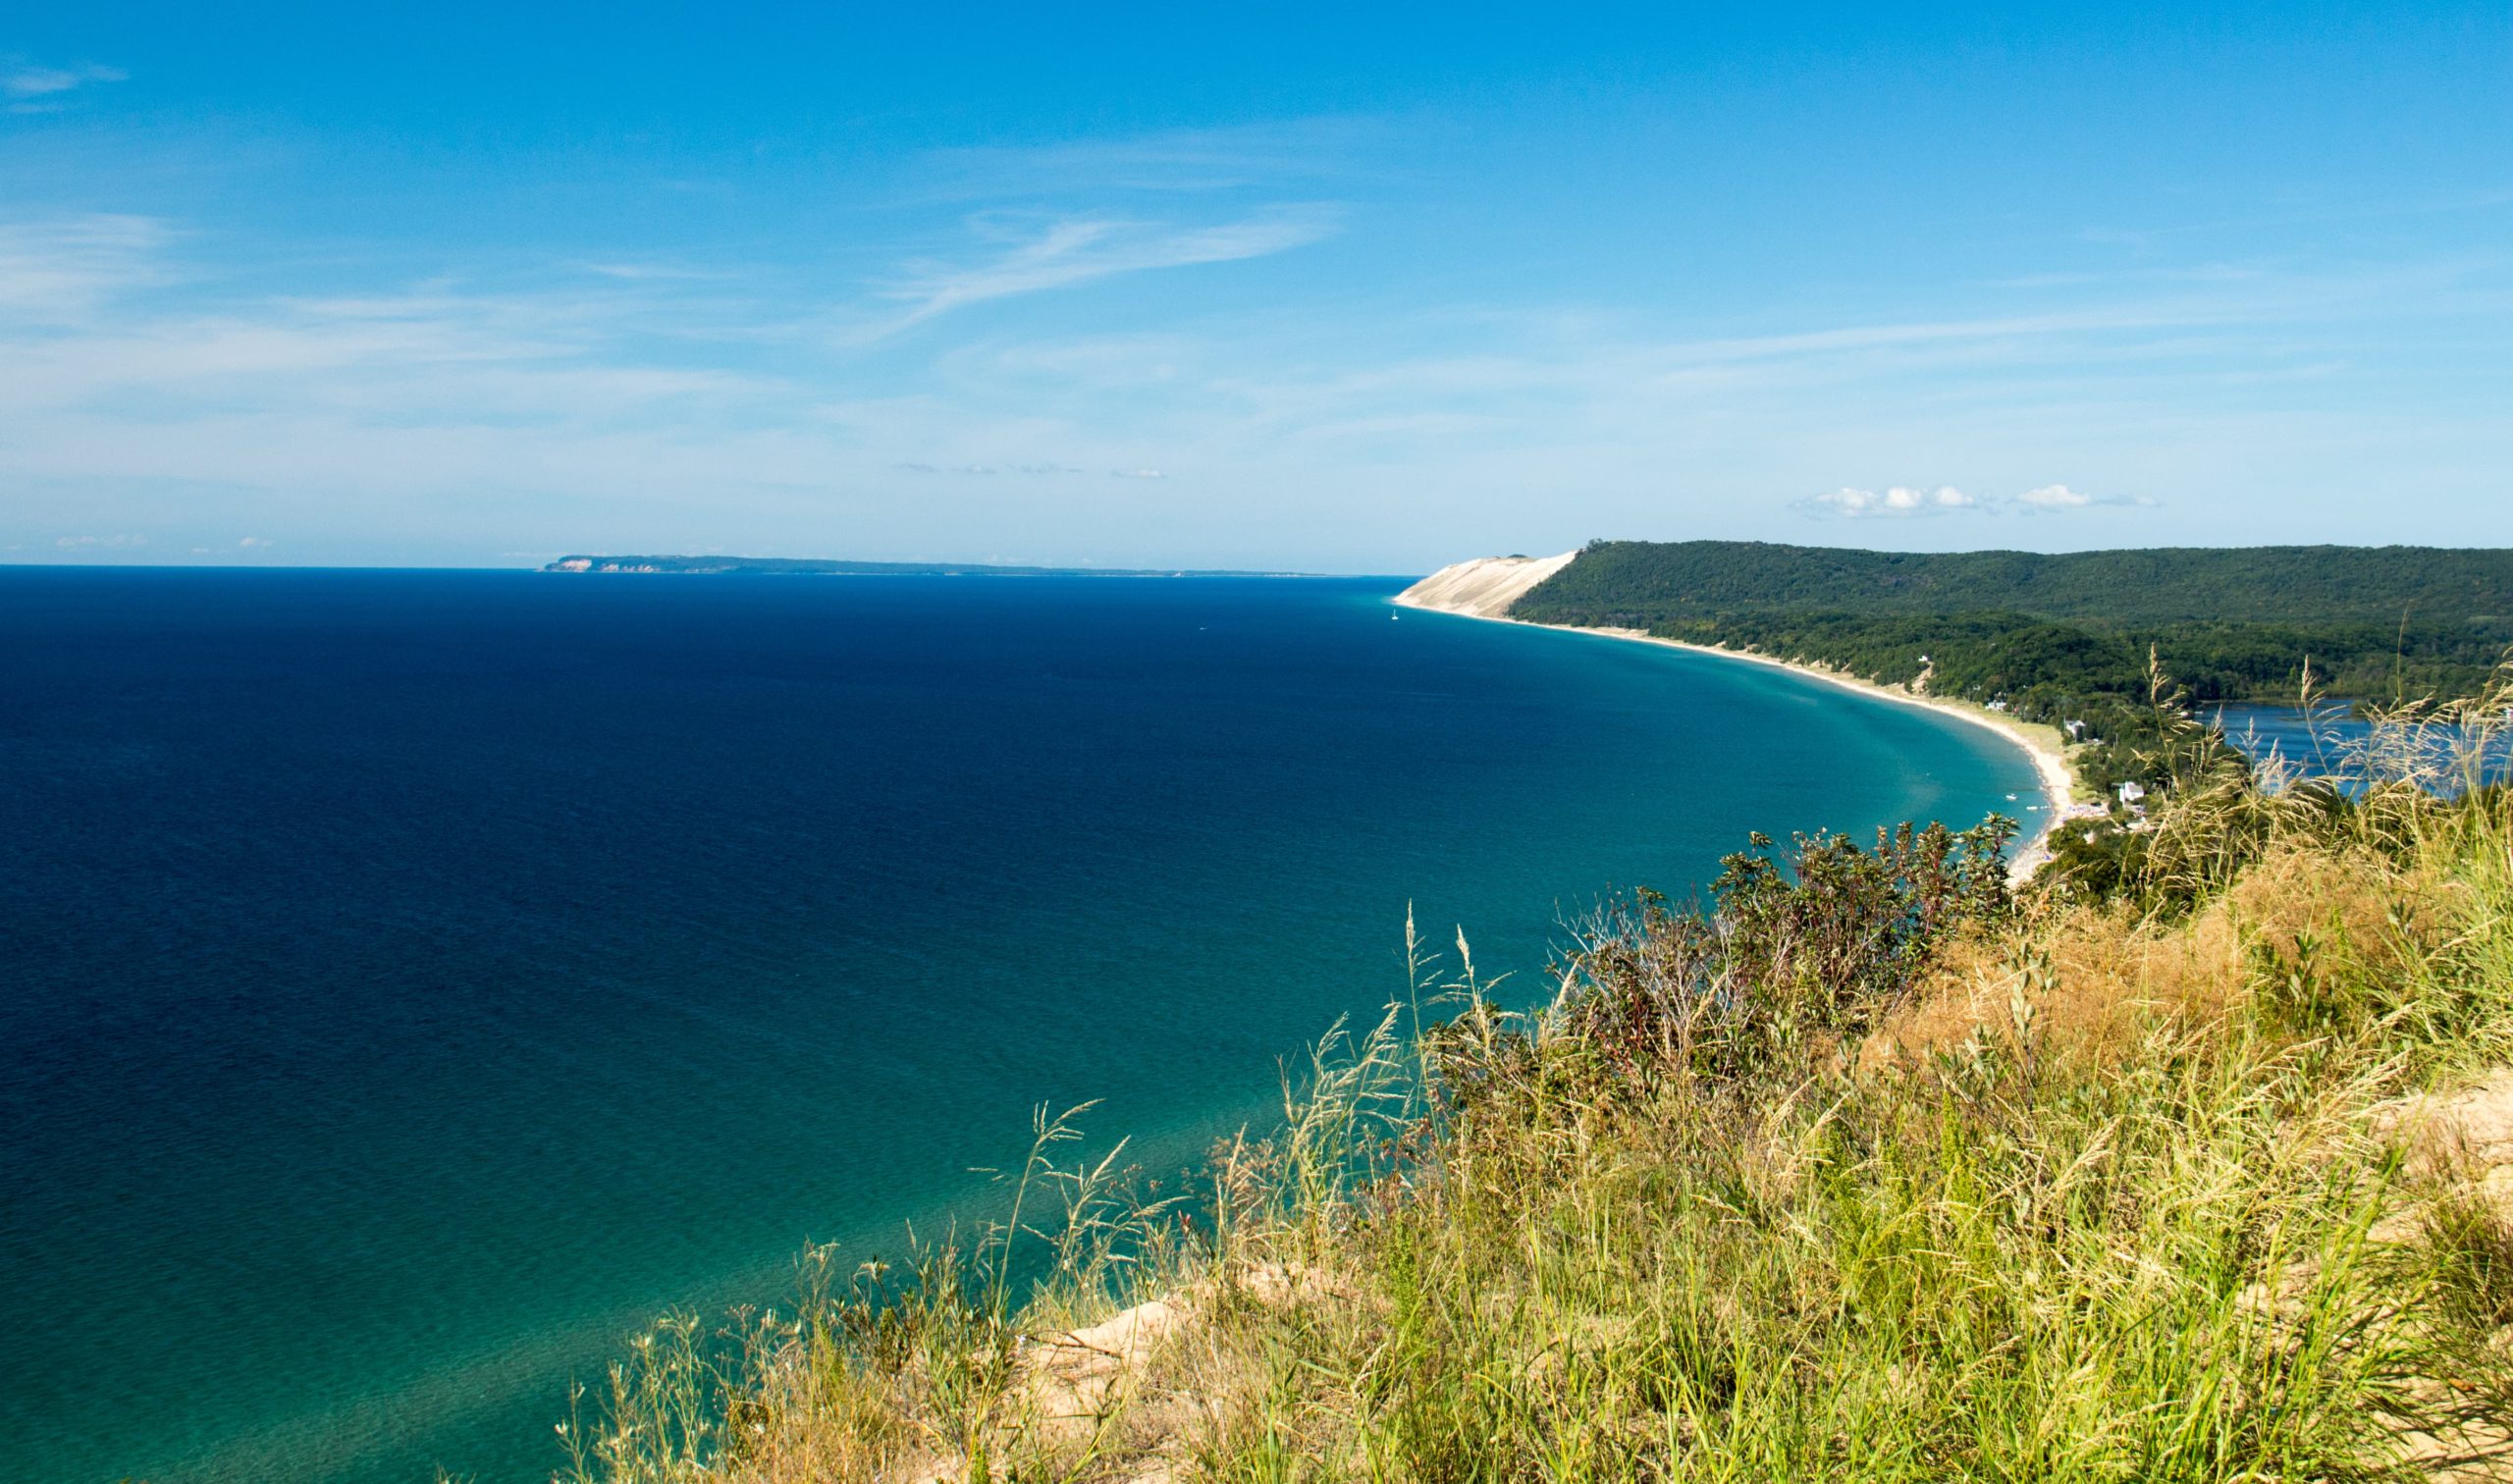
column 2074, row 730
column 2132, row 793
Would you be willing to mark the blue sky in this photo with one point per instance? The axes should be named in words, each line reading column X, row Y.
column 1339, row 289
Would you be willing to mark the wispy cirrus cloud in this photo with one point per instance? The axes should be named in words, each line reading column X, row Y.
column 143, row 381
column 59, row 269
column 1170, row 161
column 1081, row 251
column 639, row 272
column 32, row 88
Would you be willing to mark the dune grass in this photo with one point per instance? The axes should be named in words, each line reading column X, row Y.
column 1861, row 1168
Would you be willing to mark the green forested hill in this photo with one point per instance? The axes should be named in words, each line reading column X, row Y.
column 2229, row 623
column 2225, row 584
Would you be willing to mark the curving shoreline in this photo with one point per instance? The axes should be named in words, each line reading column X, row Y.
column 1485, row 588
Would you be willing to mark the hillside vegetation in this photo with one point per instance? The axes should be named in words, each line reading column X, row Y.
column 1864, row 1167
column 2229, row 584
column 2231, row 623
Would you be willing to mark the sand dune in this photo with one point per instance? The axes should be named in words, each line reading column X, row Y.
column 1484, row 588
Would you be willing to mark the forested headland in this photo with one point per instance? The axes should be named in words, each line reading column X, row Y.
column 2110, row 641
column 2228, row 624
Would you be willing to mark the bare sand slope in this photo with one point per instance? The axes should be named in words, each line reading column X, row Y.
column 1484, row 588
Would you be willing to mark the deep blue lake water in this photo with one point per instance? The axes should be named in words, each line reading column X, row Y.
column 411, row 983
column 2331, row 742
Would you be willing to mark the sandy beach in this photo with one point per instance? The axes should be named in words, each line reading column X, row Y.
column 1485, row 587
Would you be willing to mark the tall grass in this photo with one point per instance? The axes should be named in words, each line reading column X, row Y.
column 1860, row 1168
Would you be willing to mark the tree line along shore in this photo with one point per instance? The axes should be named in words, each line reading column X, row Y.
column 2080, row 657
column 2193, row 1161
column 2084, row 637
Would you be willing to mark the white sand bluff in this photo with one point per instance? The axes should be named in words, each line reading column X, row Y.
column 1485, row 587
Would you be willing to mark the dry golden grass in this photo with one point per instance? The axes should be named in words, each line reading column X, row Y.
column 2100, row 975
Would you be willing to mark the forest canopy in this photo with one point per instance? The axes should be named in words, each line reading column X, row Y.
column 2039, row 630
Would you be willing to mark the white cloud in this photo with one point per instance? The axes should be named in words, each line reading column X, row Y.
column 144, row 385
column 1079, row 251
column 1896, row 500
column 254, row 542
column 82, row 543
column 57, row 271
column 33, row 89
column 1905, row 501
column 2056, row 499
column 1239, row 157
column 1136, row 474
column 29, row 82
column 634, row 272
column 1174, row 162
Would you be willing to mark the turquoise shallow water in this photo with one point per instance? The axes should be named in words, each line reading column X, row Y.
column 414, row 981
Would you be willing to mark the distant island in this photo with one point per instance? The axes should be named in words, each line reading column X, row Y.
column 812, row 566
